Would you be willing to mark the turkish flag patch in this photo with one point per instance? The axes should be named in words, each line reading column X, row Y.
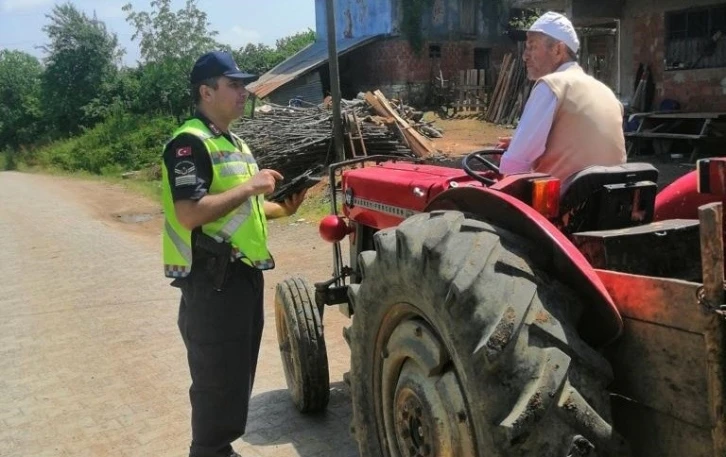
column 184, row 152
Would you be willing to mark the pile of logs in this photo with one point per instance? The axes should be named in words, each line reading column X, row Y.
column 290, row 140
column 296, row 141
column 510, row 93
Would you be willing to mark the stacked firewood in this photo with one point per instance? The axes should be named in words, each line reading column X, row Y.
column 510, row 93
column 298, row 141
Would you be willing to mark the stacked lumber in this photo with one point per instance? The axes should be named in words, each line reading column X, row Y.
column 419, row 143
column 510, row 93
column 639, row 97
column 364, row 111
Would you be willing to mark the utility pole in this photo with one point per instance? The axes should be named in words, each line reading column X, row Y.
column 334, row 81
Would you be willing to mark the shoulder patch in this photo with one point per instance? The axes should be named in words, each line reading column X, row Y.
column 184, row 152
column 185, row 173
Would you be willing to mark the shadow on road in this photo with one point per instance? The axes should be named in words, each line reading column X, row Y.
column 275, row 421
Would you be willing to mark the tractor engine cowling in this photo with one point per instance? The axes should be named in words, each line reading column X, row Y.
column 382, row 196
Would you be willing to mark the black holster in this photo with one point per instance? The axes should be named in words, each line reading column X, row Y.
column 213, row 257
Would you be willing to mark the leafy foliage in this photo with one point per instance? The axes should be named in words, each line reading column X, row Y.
column 170, row 43
column 82, row 57
column 20, row 112
column 79, row 110
column 524, row 19
column 122, row 142
column 260, row 58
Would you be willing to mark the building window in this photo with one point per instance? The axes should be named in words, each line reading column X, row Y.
column 435, row 51
column 696, row 38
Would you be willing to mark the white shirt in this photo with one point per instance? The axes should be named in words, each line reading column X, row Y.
column 534, row 127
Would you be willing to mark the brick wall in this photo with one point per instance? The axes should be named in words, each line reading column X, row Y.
column 392, row 63
column 696, row 90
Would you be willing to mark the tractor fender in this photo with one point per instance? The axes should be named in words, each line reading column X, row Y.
column 601, row 322
column 681, row 199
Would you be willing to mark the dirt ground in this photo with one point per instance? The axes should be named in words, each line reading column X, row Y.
column 462, row 136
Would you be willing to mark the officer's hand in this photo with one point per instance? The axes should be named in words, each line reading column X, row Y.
column 293, row 202
column 263, row 182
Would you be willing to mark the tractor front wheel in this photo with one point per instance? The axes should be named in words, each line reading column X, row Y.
column 302, row 345
column 462, row 346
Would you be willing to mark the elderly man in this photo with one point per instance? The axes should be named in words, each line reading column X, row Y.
column 571, row 120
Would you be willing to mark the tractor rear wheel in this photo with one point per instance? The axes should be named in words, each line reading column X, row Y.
column 302, row 345
column 461, row 346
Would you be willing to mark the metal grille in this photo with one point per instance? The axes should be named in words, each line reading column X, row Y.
column 696, row 38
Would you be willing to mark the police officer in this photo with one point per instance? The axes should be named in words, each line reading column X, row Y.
column 215, row 248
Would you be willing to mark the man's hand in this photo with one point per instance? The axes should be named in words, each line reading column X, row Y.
column 504, row 142
column 286, row 208
column 263, row 182
column 293, row 202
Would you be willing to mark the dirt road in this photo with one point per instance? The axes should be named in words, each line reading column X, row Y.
column 91, row 363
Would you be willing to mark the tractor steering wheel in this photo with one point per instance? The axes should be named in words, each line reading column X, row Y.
column 478, row 156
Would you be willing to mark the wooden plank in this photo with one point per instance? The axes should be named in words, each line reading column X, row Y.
column 505, row 93
column 377, row 106
column 665, row 136
column 645, row 298
column 653, row 434
column 710, row 217
column 671, row 347
column 685, row 115
column 712, row 257
column 498, row 88
column 664, row 369
column 420, row 145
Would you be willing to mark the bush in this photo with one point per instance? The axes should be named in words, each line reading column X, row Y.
column 123, row 142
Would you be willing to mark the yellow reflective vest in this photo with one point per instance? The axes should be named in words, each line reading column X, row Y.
column 245, row 227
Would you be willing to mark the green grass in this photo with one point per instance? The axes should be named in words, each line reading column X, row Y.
column 122, row 144
column 314, row 208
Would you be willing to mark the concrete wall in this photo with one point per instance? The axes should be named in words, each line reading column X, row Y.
column 355, row 18
column 643, row 41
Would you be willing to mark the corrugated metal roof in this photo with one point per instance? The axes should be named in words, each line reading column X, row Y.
column 304, row 61
column 309, row 88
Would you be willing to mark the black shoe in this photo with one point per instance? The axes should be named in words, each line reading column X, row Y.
column 234, row 454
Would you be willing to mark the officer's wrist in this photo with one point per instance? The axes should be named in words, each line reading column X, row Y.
column 244, row 192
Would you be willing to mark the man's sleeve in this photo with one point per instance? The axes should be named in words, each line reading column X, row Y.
column 530, row 139
column 189, row 168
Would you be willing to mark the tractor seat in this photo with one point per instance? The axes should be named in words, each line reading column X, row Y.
column 609, row 197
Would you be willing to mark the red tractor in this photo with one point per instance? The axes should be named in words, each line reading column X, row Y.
column 519, row 315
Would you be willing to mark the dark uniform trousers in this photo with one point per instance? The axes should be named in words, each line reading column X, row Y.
column 222, row 332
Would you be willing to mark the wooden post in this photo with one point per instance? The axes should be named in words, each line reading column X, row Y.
column 712, row 257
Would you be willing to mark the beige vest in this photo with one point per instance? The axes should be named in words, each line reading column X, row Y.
column 588, row 125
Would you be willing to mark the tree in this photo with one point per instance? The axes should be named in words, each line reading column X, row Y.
column 256, row 58
column 293, row 44
column 170, row 42
column 19, row 98
column 82, row 57
column 260, row 58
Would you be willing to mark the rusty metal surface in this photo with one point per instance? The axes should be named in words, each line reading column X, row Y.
column 669, row 368
column 303, row 62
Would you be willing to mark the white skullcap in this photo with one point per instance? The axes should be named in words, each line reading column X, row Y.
column 558, row 27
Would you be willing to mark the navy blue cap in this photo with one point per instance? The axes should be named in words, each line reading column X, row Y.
column 215, row 64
